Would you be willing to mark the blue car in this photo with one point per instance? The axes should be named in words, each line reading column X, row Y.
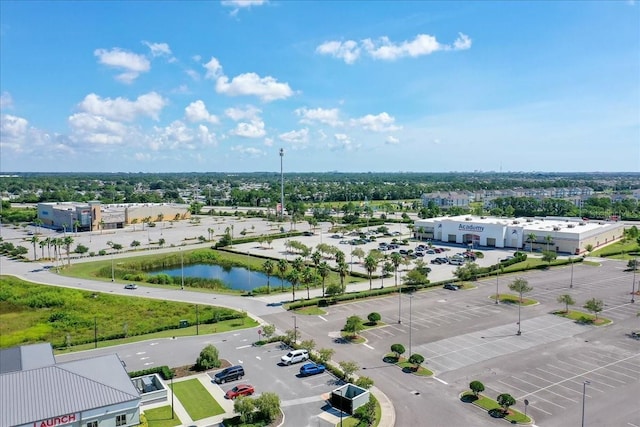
column 311, row 369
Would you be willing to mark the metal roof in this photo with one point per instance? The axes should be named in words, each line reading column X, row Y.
column 31, row 395
column 26, row 357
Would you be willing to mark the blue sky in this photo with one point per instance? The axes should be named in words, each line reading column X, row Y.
column 221, row 86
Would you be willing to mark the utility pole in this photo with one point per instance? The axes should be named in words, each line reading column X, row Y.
column 281, row 186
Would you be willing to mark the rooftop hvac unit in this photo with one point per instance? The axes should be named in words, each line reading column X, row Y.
column 581, row 223
column 516, row 222
column 571, row 225
column 556, row 228
column 467, row 219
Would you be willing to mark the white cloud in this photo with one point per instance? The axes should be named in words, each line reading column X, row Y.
column 158, row 49
column 249, row 151
column 295, row 137
column 150, row 105
column 93, row 129
column 347, row 51
column 176, row 135
column 6, row 101
column 321, row 135
column 382, row 122
column 206, row 136
column 343, row 142
column 142, row 157
column 13, row 131
column 254, row 129
column 242, row 4
column 249, row 113
column 248, row 84
column 384, row 49
column 197, row 112
column 132, row 63
column 392, row 140
column 193, row 74
column 266, row 88
column 321, row 115
column 268, row 142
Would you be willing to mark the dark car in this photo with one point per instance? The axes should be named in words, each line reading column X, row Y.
column 451, row 286
column 311, row 369
column 240, row 390
column 229, row 374
column 131, row 286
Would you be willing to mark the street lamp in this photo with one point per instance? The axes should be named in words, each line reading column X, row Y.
column 584, row 393
column 281, row 186
column 410, row 298
column 519, row 305
column 571, row 260
column 113, row 276
column 295, row 329
column 633, row 283
column 181, row 270
column 497, row 294
column 399, row 303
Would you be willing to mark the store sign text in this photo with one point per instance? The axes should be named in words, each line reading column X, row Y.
column 471, row 227
column 56, row 421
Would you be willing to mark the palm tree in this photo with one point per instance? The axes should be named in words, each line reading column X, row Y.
column 283, row 265
column 343, row 270
column 268, row 268
column 323, row 271
column 298, row 264
column 396, row 260
column 34, row 241
column 67, row 245
column 49, row 241
column 308, row 277
column 531, row 238
column 316, row 258
column 548, row 239
column 370, row 264
column 76, row 225
column 340, row 257
column 42, row 244
column 294, row 279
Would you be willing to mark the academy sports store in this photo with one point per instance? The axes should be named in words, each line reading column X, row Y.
column 562, row 235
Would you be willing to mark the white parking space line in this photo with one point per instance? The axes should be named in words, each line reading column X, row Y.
column 548, row 390
column 439, row 380
column 368, row 346
column 243, row 346
column 559, row 385
column 323, row 318
column 536, row 394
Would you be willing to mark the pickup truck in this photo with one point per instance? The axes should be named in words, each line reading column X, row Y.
column 311, row 369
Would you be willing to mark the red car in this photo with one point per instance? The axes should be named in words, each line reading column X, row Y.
column 240, row 390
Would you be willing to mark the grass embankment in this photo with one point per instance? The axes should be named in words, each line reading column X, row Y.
column 625, row 250
column 492, row 407
column 71, row 318
column 584, row 318
column 161, row 417
column 196, row 400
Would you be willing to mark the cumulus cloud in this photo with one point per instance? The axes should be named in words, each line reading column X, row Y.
column 132, row 63
column 268, row 142
column 382, row 122
column 384, row 49
column 248, row 113
column 348, row 51
column 241, row 4
column 295, row 137
column 6, row 101
column 122, row 109
column 248, row 84
column 158, row 49
column 197, row 112
column 13, row 131
column 253, row 129
column 319, row 115
column 248, row 151
column 343, row 141
column 93, row 129
column 392, row 140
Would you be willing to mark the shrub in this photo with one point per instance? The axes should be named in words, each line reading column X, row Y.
column 364, row 382
column 476, row 387
column 374, row 317
column 208, row 359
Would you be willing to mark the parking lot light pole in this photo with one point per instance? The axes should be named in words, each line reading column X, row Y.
column 584, row 393
column 113, row 276
column 295, row 329
column 633, row 283
column 497, row 277
column 410, row 298
column 519, row 305
column 571, row 283
column 399, row 304
column 340, row 406
column 181, row 270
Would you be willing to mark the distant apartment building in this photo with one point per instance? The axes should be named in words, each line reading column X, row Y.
column 447, row 199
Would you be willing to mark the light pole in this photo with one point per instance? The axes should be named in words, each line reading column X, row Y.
column 633, row 283
column 295, row 329
column 281, row 186
column 519, row 305
column 497, row 294
column 526, row 403
column 113, row 276
column 172, row 412
column 181, row 270
column 410, row 298
column 571, row 283
column 340, row 407
column 249, row 271
column 584, row 393
column 399, row 304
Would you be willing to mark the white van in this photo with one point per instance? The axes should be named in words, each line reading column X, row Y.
column 295, row 356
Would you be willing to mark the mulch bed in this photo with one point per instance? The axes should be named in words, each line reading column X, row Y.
column 188, row 370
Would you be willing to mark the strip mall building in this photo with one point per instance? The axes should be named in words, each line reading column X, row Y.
column 562, row 235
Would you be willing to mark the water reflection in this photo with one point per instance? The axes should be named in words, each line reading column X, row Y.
column 234, row 278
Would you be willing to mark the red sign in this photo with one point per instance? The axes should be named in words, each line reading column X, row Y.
column 56, row 421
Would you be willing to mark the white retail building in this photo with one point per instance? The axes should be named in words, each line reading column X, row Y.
column 562, row 235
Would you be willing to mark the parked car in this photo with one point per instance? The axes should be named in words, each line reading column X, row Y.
column 436, row 261
column 131, row 286
column 295, row 356
column 240, row 390
column 431, row 251
column 311, row 369
column 451, row 286
column 229, row 374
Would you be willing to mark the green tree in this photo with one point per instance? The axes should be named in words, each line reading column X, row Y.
column 268, row 406
column 549, row 256
column 308, row 345
column 476, row 387
column 505, row 400
column 531, row 238
column 268, row 331
column 325, row 354
column 374, row 318
column 521, row 286
column 333, row 289
column 632, row 264
column 370, row 264
column 354, row 325
column 135, row 244
column 81, row 249
column 348, row 369
column 343, row 271
column 364, row 382
column 68, row 241
column 594, row 306
column 34, row 241
column 323, row 271
column 294, row 278
column 358, row 253
column 268, row 267
column 567, row 300
column 396, row 260
column 208, row 359
column 245, row 407
column 398, row 349
column 283, row 265
column 416, row 359
column 161, row 242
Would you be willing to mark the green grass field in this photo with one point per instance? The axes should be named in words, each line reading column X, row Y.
column 197, row 401
column 161, row 417
column 580, row 316
column 490, row 404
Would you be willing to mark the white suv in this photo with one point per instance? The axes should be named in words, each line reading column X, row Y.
column 295, row 356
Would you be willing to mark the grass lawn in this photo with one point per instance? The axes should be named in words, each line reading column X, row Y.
column 581, row 317
column 161, row 417
column 513, row 299
column 310, row 311
column 354, row 339
column 617, row 248
column 491, row 405
column 591, row 263
column 197, row 401
column 403, row 363
column 353, row 421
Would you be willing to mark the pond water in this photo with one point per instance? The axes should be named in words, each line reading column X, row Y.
column 235, row 277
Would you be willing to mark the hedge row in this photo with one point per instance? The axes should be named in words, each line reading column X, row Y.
column 164, row 371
